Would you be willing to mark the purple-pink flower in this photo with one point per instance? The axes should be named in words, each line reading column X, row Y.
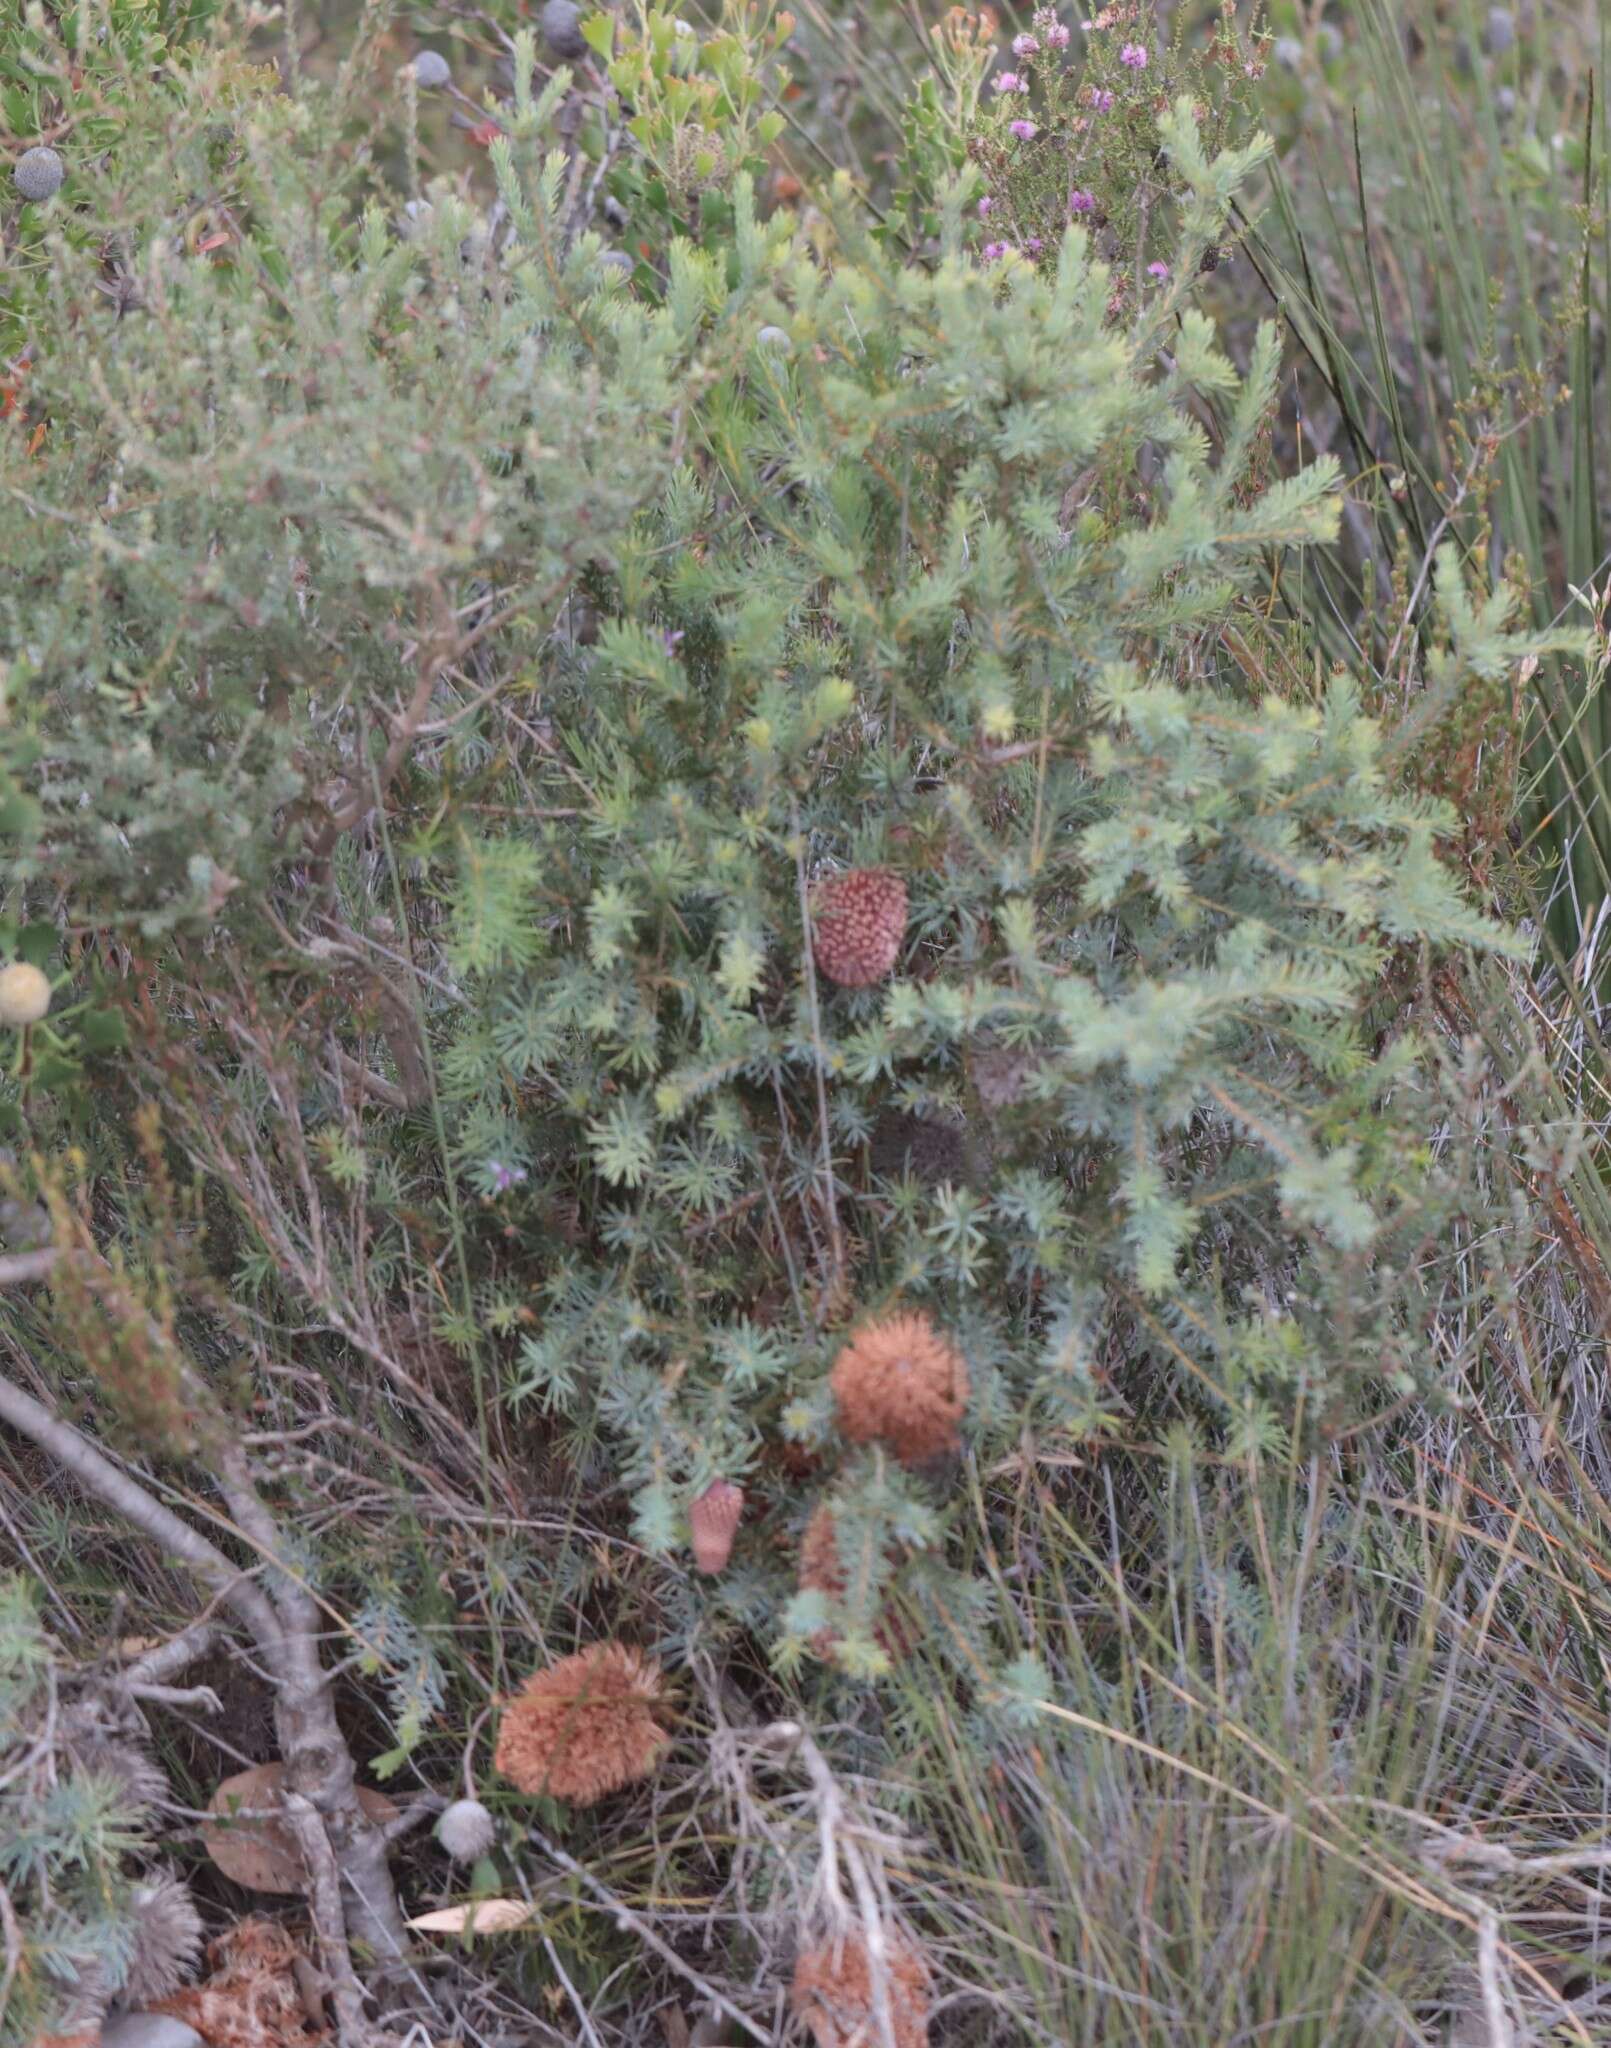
column 994, row 251
column 504, row 1177
column 1009, row 81
column 1034, row 245
column 1134, row 55
column 987, row 206
column 1158, row 270
column 1082, row 202
column 1056, row 34
column 1026, row 131
column 1101, row 99
column 1026, row 46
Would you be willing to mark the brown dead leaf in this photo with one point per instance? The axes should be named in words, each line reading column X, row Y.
column 259, row 1850
column 481, row 1916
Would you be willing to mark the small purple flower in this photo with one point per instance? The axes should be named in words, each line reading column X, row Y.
column 1008, row 81
column 1034, row 245
column 987, row 206
column 1056, row 34
column 1134, row 55
column 504, row 1177
column 1101, row 99
column 1026, row 131
column 1082, row 202
column 672, row 641
column 994, row 251
column 1158, row 270
column 1026, row 46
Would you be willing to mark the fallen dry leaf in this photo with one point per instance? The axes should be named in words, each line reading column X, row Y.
column 258, row 1850
column 481, row 1916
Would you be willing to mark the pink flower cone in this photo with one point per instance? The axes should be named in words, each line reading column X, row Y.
column 714, row 1518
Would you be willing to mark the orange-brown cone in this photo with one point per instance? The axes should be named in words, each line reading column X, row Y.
column 858, row 921
column 585, row 1726
column 833, row 1994
column 714, row 1520
column 898, row 1382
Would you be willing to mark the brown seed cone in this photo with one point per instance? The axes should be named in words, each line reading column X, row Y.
column 714, row 1520
column 858, row 921
column 833, row 1993
column 898, row 1382
column 584, row 1727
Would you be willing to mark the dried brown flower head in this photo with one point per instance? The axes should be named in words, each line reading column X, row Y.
column 252, row 1997
column 898, row 1382
column 833, row 1993
column 858, row 920
column 714, row 1520
column 584, row 1727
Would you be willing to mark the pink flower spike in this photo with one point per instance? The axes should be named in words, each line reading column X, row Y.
column 1082, row 202
column 1057, row 36
column 1025, row 46
column 714, row 1519
column 1101, row 99
column 994, row 251
column 1008, row 81
column 1158, row 270
column 1034, row 245
column 1133, row 55
column 987, row 206
column 1026, row 131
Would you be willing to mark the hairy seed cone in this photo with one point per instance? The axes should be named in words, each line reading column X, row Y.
column 167, row 1940
column 714, row 1520
column 24, row 994
column 833, row 1993
column 858, row 921
column 466, row 1830
column 138, row 1777
column 898, row 1382
column 39, row 173
column 584, row 1727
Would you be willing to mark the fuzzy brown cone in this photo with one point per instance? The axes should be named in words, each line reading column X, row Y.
column 714, row 1520
column 584, row 1727
column 833, row 1994
column 858, row 921
column 898, row 1382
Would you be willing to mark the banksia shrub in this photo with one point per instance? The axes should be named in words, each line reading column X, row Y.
column 898, row 1382
column 858, row 920
column 833, row 1993
column 584, row 1727
column 714, row 1519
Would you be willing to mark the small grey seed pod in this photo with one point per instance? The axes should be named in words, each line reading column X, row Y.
column 431, row 69
column 465, row 1830
column 774, row 337
column 1288, row 53
column 39, row 173
column 1500, row 32
column 618, row 259
column 561, row 23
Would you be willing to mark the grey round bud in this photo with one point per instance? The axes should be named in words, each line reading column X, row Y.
column 39, row 173
column 1288, row 52
column 465, row 1830
column 774, row 337
column 618, row 259
column 1500, row 31
column 431, row 69
column 561, row 22
column 1505, row 100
